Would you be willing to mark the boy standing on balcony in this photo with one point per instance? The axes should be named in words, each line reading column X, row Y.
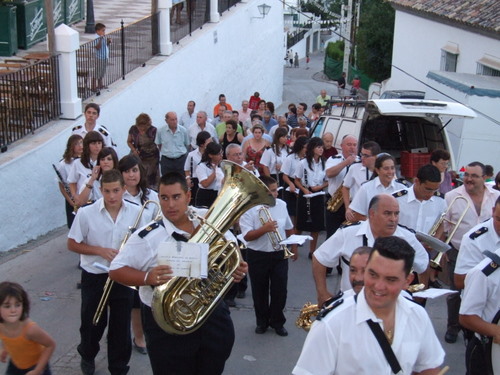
column 102, row 55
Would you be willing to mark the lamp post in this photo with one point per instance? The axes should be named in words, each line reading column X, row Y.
column 263, row 10
column 90, row 20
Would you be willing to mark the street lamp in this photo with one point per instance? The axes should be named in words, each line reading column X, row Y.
column 263, row 10
column 90, row 20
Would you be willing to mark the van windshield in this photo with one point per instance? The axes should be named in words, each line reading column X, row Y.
column 317, row 129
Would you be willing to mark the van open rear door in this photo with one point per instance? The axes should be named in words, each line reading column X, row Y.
column 419, row 108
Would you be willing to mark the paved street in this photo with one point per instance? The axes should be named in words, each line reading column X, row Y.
column 49, row 272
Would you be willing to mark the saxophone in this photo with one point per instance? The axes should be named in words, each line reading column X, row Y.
column 336, row 200
column 181, row 305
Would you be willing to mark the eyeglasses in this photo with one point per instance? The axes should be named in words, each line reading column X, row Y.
column 473, row 175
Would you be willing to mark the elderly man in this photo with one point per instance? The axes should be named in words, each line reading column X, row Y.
column 373, row 332
column 336, row 169
column 281, row 124
column 234, row 154
column 173, row 142
column 268, row 121
column 481, row 199
column 244, row 112
column 201, row 124
column 330, row 149
column 188, row 118
column 323, row 98
column 382, row 222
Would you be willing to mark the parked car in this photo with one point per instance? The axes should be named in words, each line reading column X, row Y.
column 408, row 129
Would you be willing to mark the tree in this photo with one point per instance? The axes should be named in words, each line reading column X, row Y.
column 374, row 39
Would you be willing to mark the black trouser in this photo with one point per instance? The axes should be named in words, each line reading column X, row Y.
column 13, row 370
column 333, row 219
column 118, row 322
column 268, row 278
column 172, row 165
column 242, row 285
column 203, row 352
column 453, row 300
column 194, row 190
column 205, row 197
column 477, row 358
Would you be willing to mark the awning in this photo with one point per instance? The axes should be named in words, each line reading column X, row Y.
column 451, row 48
column 490, row 61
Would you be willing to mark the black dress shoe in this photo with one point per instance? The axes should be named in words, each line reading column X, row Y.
column 260, row 330
column 281, row 331
column 310, row 255
column 88, row 367
column 451, row 337
column 139, row 349
column 230, row 302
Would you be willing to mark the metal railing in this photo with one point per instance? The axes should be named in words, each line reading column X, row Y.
column 294, row 38
column 225, row 5
column 187, row 17
column 29, row 99
column 129, row 48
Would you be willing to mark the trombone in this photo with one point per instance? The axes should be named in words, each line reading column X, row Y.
column 274, row 236
column 109, row 283
column 441, row 246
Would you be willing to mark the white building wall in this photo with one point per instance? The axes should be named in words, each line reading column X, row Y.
column 417, row 49
column 236, row 57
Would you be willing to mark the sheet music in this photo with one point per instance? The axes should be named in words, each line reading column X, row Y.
column 187, row 259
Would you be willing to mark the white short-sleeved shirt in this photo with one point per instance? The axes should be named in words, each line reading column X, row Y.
column 187, row 119
column 192, row 161
column 80, row 175
column 270, row 159
column 342, row 343
column 346, row 239
column 335, row 182
column 290, row 165
column 203, row 171
column 481, row 295
column 151, row 209
column 368, row 190
column 141, row 250
column 471, row 217
column 481, row 237
column 94, row 226
column 273, row 130
column 250, row 221
column 101, row 129
column 64, row 169
column 355, row 176
column 194, row 129
column 418, row 215
column 310, row 177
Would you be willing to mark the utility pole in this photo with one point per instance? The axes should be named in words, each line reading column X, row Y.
column 89, row 17
column 347, row 38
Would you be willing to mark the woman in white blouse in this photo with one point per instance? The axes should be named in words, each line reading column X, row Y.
column 273, row 157
column 203, row 138
column 210, row 176
column 310, row 178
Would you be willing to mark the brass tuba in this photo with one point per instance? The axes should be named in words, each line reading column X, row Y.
column 181, row 305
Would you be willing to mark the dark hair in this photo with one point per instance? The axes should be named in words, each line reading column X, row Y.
column 362, row 250
column 130, row 161
column 261, row 101
column 221, row 96
column 478, row 164
column 172, row 178
column 233, row 124
column 267, row 180
column 211, row 149
column 113, row 175
column 374, row 147
column 299, row 144
column 311, row 145
column 106, row 151
column 440, row 154
column 270, row 106
column 143, row 118
column 202, row 137
column 395, row 248
column 428, row 173
column 373, row 205
column 304, row 105
column 488, row 170
column 275, row 146
column 497, row 181
column 93, row 105
column 99, row 26
column 89, row 138
column 70, row 145
column 10, row 289
column 316, row 106
column 380, row 160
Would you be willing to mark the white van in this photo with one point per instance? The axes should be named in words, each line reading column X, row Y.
column 408, row 129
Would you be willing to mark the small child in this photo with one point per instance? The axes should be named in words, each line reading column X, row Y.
column 101, row 46
column 29, row 346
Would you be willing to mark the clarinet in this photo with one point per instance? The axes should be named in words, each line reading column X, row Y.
column 64, row 184
column 308, row 200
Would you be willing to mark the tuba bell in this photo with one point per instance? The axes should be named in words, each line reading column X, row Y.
column 181, row 305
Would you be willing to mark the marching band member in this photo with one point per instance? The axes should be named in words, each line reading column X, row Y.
column 481, row 200
column 268, row 267
column 210, row 175
column 96, row 235
column 358, row 174
column 310, row 178
column 203, row 351
column 383, row 183
column 203, row 138
column 480, row 306
column 91, row 113
column 272, row 159
column 382, row 222
column 336, row 168
column 359, row 335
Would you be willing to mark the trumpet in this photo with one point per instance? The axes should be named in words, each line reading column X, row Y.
column 109, row 283
column 436, row 262
column 274, row 236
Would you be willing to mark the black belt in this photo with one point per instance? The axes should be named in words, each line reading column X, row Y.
column 166, row 157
